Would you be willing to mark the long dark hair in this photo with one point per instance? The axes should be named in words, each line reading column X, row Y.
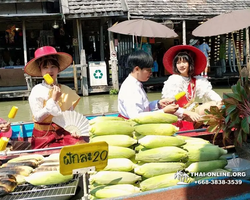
column 184, row 55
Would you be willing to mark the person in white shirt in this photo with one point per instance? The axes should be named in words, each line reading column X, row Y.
column 185, row 63
column 47, row 101
column 132, row 98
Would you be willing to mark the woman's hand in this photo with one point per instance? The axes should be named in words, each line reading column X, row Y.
column 164, row 102
column 5, row 127
column 171, row 108
column 56, row 94
column 193, row 116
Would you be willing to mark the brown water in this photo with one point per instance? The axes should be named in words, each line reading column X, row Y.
column 93, row 104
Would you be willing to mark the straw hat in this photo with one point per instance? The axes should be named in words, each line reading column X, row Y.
column 32, row 67
column 192, row 42
column 200, row 60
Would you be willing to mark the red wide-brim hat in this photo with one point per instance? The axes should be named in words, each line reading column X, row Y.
column 32, row 67
column 200, row 60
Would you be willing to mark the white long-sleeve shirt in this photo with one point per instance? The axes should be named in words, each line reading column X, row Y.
column 132, row 99
column 177, row 83
column 39, row 94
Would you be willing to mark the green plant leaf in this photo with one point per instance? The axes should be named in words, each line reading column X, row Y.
column 230, row 109
column 235, row 96
column 229, row 101
column 245, row 125
column 239, row 137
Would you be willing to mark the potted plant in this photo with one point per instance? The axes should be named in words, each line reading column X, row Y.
column 233, row 120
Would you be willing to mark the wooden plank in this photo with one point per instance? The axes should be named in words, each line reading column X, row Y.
column 12, row 77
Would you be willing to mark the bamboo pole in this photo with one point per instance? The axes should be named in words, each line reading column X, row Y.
column 75, row 77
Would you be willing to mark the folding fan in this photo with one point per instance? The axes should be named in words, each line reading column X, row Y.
column 73, row 122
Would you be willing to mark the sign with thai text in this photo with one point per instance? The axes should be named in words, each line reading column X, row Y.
column 83, row 155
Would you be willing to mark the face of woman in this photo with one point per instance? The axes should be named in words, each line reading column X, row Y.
column 50, row 69
column 183, row 67
column 143, row 74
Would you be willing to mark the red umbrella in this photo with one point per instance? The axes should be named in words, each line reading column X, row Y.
column 143, row 28
column 224, row 23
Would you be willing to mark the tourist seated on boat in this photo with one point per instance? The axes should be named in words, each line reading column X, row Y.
column 132, row 98
column 47, row 100
column 185, row 63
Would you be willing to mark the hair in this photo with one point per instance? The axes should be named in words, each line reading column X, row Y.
column 184, row 55
column 141, row 59
column 50, row 59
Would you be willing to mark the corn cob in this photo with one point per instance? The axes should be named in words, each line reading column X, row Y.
column 162, row 154
column 117, row 128
column 119, row 164
column 154, row 141
column 206, row 166
column 155, row 117
column 114, row 190
column 3, row 143
column 37, row 157
column 114, row 177
column 115, row 140
column 161, row 181
column 148, row 170
column 156, row 129
column 179, row 95
column 104, row 118
column 47, row 178
column 120, row 152
column 207, row 153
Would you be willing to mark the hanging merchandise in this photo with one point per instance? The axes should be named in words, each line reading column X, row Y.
column 151, row 40
column 11, row 34
column 144, row 40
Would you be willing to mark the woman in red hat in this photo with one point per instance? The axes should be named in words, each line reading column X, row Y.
column 47, row 101
column 185, row 63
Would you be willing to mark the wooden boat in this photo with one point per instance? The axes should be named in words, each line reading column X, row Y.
column 197, row 191
column 23, row 130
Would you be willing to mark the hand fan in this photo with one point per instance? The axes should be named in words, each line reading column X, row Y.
column 73, row 122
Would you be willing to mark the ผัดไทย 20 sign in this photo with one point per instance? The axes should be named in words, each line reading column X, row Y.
column 83, row 155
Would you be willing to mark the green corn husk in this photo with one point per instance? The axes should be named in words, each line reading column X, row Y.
column 206, row 166
column 161, row 181
column 119, row 164
column 154, row 141
column 156, row 129
column 162, row 154
column 120, row 152
column 114, row 177
column 148, row 170
column 111, row 128
column 155, row 117
column 115, row 140
column 109, row 191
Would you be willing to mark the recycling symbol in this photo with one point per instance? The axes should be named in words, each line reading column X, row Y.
column 98, row 74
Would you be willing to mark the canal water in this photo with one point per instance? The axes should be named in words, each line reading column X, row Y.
column 93, row 104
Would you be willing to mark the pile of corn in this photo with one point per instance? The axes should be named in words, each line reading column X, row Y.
column 117, row 178
column 145, row 154
column 203, row 156
column 159, row 154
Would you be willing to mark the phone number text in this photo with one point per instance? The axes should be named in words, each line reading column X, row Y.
column 219, row 182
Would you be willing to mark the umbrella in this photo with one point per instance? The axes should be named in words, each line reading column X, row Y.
column 224, row 23
column 143, row 28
